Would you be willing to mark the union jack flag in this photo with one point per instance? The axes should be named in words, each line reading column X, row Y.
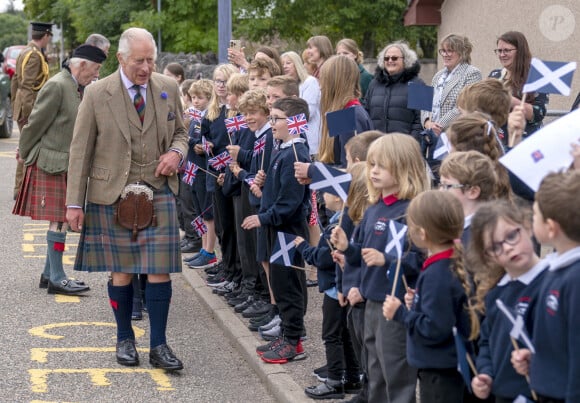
column 297, row 124
column 537, row 156
column 189, row 174
column 235, row 124
column 199, row 226
column 259, row 145
column 220, row 161
column 249, row 180
column 194, row 114
column 205, row 145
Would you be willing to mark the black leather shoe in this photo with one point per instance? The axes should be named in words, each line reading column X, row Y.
column 127, row 353
column 67, row 287
column 241, row 307
column 325, row 391
column 162, row 357
column 43, row 282
column 258, row 308
column 191, row 246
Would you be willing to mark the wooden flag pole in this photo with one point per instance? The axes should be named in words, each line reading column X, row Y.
column 397, row 271
column 512, row 138
column 207, row 172
column 405, row 283
column 295, row 153
column 341, row 214
column 471, row 364
column 517, row 348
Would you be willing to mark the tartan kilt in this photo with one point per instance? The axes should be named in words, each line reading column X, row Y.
column 42, row 196
column 106, row 246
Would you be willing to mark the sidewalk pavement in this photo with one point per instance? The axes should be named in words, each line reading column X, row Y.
column 286, row 382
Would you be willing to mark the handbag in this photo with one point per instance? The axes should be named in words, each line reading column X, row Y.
column 135, row 210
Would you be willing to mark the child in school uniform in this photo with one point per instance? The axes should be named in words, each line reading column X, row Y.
column 506, row 268
column 555, row 367
column 283, row 208
column 341, row 359
column 261, row 70
column 439, row 301
column 395, row 174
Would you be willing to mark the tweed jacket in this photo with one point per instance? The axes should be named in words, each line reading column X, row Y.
column 464, row 75
column 102, row 146
column 27, row 80
column 47, row 136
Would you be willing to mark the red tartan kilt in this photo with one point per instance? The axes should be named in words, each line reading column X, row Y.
column 42, row 196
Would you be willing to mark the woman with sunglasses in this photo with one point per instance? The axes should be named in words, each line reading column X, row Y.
column 448, row 82
column 386, row 98
column 515, row 57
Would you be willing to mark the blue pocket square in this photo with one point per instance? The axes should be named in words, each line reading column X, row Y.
column 171, row 116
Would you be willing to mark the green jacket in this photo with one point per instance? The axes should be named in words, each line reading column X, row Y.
column 47, row 136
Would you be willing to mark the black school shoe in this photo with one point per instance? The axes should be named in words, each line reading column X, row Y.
column 327, row 390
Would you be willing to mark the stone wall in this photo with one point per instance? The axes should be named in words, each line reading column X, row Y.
column 196, row 65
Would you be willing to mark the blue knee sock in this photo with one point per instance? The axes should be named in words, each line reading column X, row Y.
column 157, row 298
column 121, row 298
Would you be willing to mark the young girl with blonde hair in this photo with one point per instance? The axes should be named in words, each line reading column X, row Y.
column 395, row 174
column 439, row 301
column 340, row 89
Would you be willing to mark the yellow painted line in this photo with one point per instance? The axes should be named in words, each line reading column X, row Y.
column 41, row 331
column 65, row 299
column 39, row 377
column 36, row 224
column 40, row 354
column 8, row 154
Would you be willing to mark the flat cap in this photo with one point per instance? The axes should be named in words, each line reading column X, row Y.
column 90, row 52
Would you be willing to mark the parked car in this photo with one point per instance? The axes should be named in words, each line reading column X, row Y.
column 10, row 56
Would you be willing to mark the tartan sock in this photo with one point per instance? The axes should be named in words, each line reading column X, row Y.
column 121, row 299
column 158, row 297
column 55, row 241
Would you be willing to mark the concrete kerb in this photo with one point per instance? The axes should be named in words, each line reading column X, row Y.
column 275, row 377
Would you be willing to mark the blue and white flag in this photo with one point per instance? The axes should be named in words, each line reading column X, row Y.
column 442, row 148
column 518, row 331
column 550, row 77
column 522, row 399
column 330, row 180
column 462, row 364
column 284, row 249
column 396, row 239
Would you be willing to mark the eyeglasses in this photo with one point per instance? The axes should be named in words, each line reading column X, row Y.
column 447, row 186
column 503, row 51
column 511, row 238
column 392, row 58
column 220, row 83
column 274, row 119
column 445, row 52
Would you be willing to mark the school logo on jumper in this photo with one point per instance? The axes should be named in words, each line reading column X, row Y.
column 381, row 225
column 537, row 156
column 522, row 305
column 552, row 302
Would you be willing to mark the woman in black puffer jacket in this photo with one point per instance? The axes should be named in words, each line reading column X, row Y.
column 386, row 98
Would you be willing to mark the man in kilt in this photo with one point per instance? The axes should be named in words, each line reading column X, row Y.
column 129, row 140
column 44, row 147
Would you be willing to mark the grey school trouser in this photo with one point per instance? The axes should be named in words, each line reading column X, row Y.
column 391, row 378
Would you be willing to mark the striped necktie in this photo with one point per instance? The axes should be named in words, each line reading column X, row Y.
column 139, row 102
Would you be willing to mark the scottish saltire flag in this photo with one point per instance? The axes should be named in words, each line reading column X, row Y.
column 205, row 145
column 550, row 77
column 442, row 148
column 545, row 151
column 235, row 124
column 220, row 161
column 284, row 249
column 330, row 180
column 259, row 145
column 518, row 331
column 396, row 239
column 462, row 364
column 189, row 174
column 522, row 399
column 341, row 122
column 297, row 124
column 199, row 226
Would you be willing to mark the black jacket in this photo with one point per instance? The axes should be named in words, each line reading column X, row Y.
column 386, row 102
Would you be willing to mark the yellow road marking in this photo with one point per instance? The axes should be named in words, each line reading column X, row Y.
column 65, row 299
column 8, row 154
column 39, row 377
column 41, row 331
column 40, row 354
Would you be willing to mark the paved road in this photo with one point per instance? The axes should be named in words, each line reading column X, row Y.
column 59, row 348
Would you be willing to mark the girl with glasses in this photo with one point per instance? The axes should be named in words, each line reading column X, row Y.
column 502, row 253
column 386, row 98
